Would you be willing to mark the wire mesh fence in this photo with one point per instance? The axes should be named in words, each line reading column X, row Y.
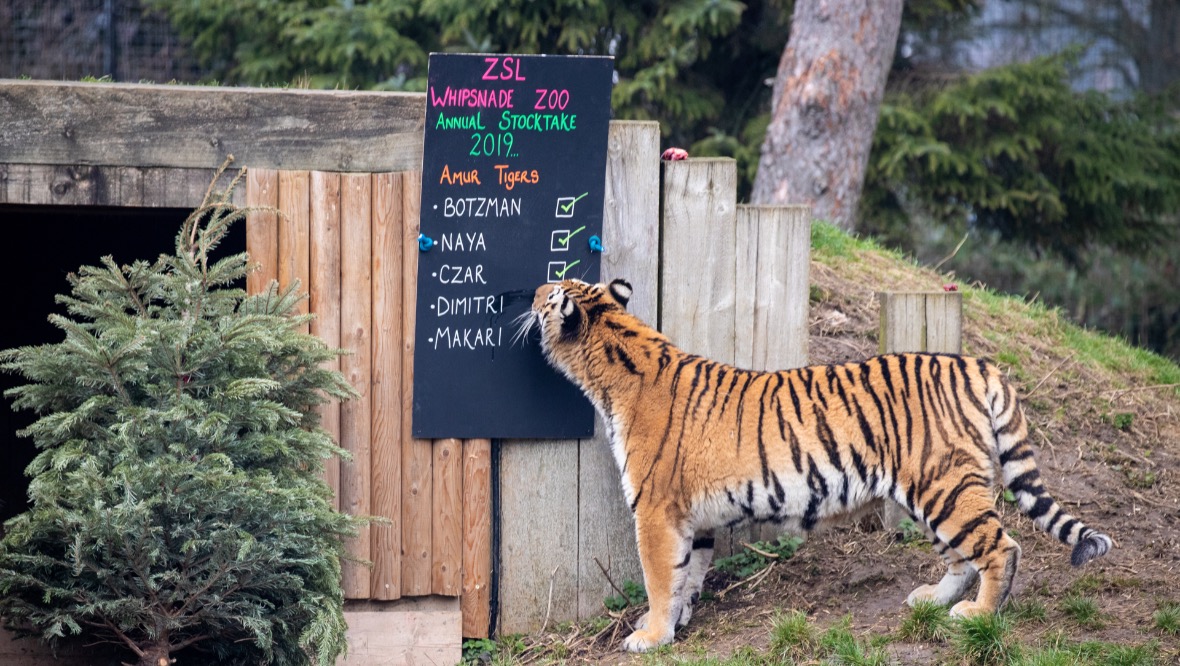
column 74, row 39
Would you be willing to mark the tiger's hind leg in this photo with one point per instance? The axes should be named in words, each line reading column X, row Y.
column 979, row 538
column 959, row 578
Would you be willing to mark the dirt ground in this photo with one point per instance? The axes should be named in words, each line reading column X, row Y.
column 1118, row 474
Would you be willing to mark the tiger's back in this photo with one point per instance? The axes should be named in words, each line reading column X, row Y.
column 701, row 444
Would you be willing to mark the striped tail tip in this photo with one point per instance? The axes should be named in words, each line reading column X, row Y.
column 1095, row 545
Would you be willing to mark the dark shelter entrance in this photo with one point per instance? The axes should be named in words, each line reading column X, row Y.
column 41, row 246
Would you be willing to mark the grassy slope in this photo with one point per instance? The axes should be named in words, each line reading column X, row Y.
column 1106, row 417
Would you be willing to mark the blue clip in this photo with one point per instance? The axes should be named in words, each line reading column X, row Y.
column 425, row 242
column 596, row 244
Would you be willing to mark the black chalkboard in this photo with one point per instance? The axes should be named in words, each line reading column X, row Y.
column 513, row 181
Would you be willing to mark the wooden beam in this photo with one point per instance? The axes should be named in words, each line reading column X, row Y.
column 262, row 228
column 143, row 125
column 356, row 256
column 475, row 601
column 324, row 295
column 386, row 580
column 417, row 478
column 82, row 185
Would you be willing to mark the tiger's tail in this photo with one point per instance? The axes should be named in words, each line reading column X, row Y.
column 1021, row 476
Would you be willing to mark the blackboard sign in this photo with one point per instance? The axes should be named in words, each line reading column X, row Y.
column 513, row 180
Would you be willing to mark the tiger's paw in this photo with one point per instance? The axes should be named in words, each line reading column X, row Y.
column 642, row 640
column 968, row 609
column 924, row 593
column 685, row 616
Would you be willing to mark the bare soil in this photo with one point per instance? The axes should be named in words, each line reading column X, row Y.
column 1117, row 473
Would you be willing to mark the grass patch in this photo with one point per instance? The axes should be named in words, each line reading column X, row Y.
column 1167, row 618
column 791, row 636
column 984, row 640
column 927, row 621
column 842, row 647
column 1027, row 610
column 1083, row 610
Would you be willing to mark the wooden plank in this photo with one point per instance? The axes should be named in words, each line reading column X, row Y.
column 407, row 632
column 262, row 228
column 903, row 322
column 356, row 256
column 538, row 534
column 141, row 125
column 606, row 529
column 294, row 228
column 944, row 322
column 417, row 478
column 446, row 574
column 774, row 271
column 475, row 601
column 93, row 185
column 698, row 268
column 324, row 295
column 386, row 398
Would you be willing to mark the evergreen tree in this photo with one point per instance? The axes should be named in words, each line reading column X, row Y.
column 176, row 497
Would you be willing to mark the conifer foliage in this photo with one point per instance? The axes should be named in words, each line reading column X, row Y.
column 176, row 497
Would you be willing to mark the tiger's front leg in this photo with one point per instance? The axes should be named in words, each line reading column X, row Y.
column 665, row 552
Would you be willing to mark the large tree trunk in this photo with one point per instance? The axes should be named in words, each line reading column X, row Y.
column 826, row 97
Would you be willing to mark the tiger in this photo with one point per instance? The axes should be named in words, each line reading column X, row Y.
column 701, row 445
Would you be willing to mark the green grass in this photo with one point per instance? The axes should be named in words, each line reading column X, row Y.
column 791, row 635
column 984, row 640
column 1026, row 610
column 1083, row 610
column 842, row 647
column 927, row 621
column 1167, row 618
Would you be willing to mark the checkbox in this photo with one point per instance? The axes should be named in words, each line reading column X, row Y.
column 559, row 241
column 565, row 206
column 556, row 271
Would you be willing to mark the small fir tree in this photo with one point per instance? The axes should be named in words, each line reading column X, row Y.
column 176, row 498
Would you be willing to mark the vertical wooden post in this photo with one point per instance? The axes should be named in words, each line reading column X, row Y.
column 417, row 478
column 631, row 236
column 324, row 294
column 262, row 227
column 355, row 324
column 294, row 260
column 475, row 601
column 446, row 575
column 386, row 579
column 921, row 321
column 773, row 272
column 698, row 264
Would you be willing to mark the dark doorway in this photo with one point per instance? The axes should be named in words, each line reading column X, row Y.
column 40, row 246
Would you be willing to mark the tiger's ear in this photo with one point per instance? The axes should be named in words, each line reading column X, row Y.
column 621, row 291
column 571, row 319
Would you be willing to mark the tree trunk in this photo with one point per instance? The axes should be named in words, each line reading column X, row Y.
column 1159, row 63
column 826, row 96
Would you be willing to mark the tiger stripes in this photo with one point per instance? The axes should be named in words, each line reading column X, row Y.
column 701, row 444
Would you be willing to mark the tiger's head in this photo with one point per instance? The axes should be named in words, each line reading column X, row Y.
column 567, row 314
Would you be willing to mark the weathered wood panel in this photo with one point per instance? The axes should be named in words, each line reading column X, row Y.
column 475, row 601
column 417, row 479
column 921, row 321
column 773, row 272
column 606, row 530
column 538, row 533
column 262, row 227
column 410, row 632
column 294, row 231
column 140, row 126
column 446, row 575
column 386, row 579
column 92, row 185
column 698, row 265
column 356, row 256
column 698, row 268
column 324, row 297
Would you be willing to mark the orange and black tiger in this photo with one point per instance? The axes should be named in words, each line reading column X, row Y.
column 702, row 444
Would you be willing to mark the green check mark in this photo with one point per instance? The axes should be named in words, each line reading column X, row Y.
column 565, row 208
column 566, row 240
column 561, row 273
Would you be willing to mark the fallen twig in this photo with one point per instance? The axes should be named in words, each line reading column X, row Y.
column 1046, row 377
column 1118, row 393
column 610, row 580
column 763, row 553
